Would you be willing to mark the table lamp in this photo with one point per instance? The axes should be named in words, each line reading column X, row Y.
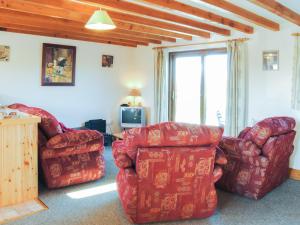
column 135, row 93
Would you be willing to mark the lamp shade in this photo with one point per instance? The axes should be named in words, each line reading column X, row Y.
column 135, row 93
column 100, row 20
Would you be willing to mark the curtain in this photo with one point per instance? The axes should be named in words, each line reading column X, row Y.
column 296, row 76
column 237, row 99
column 160, row 87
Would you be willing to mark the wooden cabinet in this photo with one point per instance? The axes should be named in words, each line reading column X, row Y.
column 18, row 160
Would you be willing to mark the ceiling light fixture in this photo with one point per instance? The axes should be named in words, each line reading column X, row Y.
column 100, row 20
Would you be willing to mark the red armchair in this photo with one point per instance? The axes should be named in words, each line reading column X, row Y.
column 258, row 160
column 167, row 171
column 66, row 156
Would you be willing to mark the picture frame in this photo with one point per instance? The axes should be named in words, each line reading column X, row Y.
column 271, row 60
column 58, row 65
column 4, row 53
column 107, row 61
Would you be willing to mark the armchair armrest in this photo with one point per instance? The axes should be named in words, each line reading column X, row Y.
column 73, row 138
column 220, row 157
column 237, row 147
column 245, row 151
column 122, row 160
column 217, row 173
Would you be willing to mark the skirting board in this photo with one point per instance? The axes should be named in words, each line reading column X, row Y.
column 15, row 212
column 295, row 174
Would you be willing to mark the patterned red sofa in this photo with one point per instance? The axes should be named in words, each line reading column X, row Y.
column 66, row 156
column 258, row 160
column 167, row 171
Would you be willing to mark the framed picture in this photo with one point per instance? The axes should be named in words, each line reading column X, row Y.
column 58, row 65
column 4, row 53
column 107, row 61
column 271, row 60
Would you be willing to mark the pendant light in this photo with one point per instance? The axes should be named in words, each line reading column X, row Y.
column 100, row 20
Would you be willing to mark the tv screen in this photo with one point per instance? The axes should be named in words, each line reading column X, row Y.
column 131, row 115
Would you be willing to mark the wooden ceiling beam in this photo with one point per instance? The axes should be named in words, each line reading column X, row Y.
column 250, row 16
column 279, row 9
column 156, row 23
column 58, row 10
column 73, row 33
column 143, row 10
column 68, row 36
column 39, row 9
column 71, row 7
column 24, row 19
column 143, row 35
column 152, row 30
column 172, row 4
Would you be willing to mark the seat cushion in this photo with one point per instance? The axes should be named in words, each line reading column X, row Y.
column 73, row 169
column 48, row 153
column 73, row 138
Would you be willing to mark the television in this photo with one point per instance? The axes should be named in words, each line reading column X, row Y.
column 132, row 117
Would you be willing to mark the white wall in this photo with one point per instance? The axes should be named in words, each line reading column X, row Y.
column 98, row 91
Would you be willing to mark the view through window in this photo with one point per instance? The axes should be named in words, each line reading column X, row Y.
column 198, row 86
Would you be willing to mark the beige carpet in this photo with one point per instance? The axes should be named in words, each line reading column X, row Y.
column 75, row 206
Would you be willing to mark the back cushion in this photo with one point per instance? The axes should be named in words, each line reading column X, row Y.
column 173, row 134
column 49, row 124
column 17, row 106
column 244, row 132
column 170, row 134
column 266, row 128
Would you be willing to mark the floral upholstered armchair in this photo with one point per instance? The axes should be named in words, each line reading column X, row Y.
column 258, row 160
column 66, row 156
column 167, row 171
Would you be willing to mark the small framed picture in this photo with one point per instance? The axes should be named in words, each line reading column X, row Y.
column 271, row 60
column 107, row 61
column 4, row 53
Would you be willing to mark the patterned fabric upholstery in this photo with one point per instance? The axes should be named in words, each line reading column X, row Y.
column 258, row 161
column 66, row 156
column 122, row 160
column 49, row 124
column 266, row 128
column 74, row 138
column 174, row 181
column 170, row 134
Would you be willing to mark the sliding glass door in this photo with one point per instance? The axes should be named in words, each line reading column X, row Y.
column 198, row 86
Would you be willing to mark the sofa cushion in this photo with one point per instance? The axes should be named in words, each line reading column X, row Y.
column 73, row 138
column 121, row 158
column 48, row 153
column 170, row 134
column 17, row 106
column 49, row 124
column 238, row 147
column 173, row 134
column 244, row 132
column 266, row 128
